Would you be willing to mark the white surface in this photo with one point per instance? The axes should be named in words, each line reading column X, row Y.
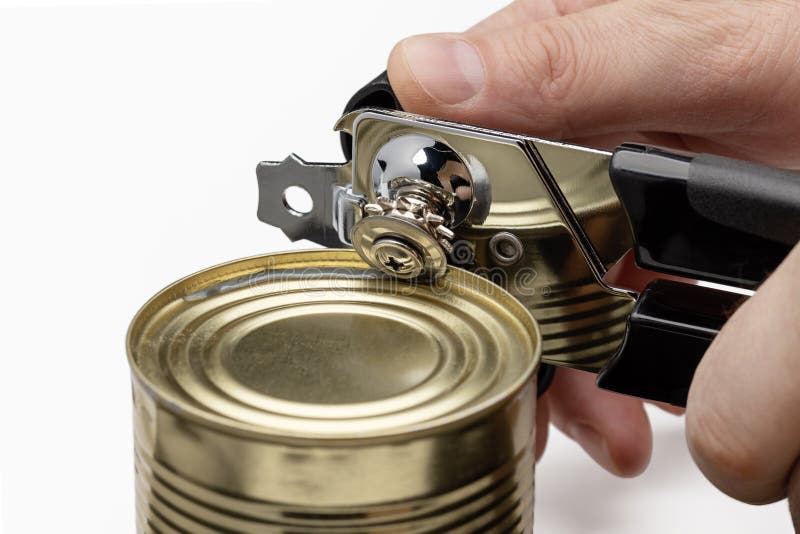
column 129, row 136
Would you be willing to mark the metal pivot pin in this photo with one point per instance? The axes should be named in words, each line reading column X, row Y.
column 398, row 257
column 424, row 189
column 407, row 236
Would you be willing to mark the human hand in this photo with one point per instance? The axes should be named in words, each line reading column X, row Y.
column 709, row 76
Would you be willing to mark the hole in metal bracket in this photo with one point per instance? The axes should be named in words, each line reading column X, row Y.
column 297, row 201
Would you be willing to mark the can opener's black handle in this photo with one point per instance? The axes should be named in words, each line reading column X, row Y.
column 378, row 93
column 707, row 217
column 701, row 217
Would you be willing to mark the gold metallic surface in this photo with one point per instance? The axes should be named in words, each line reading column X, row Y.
column 305, row 392
column 582, row 320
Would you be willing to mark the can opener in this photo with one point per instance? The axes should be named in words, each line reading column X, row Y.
column 631, row 261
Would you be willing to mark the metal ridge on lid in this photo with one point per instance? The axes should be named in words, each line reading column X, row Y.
column 317, row 345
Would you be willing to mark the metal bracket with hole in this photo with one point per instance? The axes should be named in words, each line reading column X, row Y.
column 326, row 185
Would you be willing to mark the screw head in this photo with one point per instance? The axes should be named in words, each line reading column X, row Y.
column 397, row 257
column 399, row 247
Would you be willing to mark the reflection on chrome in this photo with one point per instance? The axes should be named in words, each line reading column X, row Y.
column 422, row 158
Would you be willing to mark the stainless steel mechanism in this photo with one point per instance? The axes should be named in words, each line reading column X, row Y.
column 559, row 226
column 425, row 190
column 406, row 234
column 537, row 217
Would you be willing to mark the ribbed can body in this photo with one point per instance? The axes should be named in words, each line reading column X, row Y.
column 191, row 478
column 239, row 430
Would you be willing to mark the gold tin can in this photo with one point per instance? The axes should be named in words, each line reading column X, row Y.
column 305, row 392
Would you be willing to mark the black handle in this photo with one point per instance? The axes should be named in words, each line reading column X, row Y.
column 707, row 217
column 669, row 330
column 702, row 217
column 378, row 93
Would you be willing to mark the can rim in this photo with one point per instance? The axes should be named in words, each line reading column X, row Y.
column 451, row 420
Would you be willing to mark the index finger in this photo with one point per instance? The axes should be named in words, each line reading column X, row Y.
column 521, row 11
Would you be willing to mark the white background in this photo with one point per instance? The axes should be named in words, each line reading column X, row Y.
column 129, row 135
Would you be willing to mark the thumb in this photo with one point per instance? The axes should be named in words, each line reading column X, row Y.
column 743, row 412
column 628, row 65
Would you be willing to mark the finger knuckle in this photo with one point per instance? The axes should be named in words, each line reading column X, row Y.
column 730, row 47
column 550, row 58
column 739, row 46
column 748, row 61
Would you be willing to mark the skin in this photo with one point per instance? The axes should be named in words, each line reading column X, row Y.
column 714, row 76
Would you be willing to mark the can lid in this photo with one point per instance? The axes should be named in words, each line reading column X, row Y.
column 316, row 344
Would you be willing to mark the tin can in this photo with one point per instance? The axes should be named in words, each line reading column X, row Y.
column 306, row 392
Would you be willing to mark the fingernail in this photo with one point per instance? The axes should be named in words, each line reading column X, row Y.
column 449, row 69
column 593, row 443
